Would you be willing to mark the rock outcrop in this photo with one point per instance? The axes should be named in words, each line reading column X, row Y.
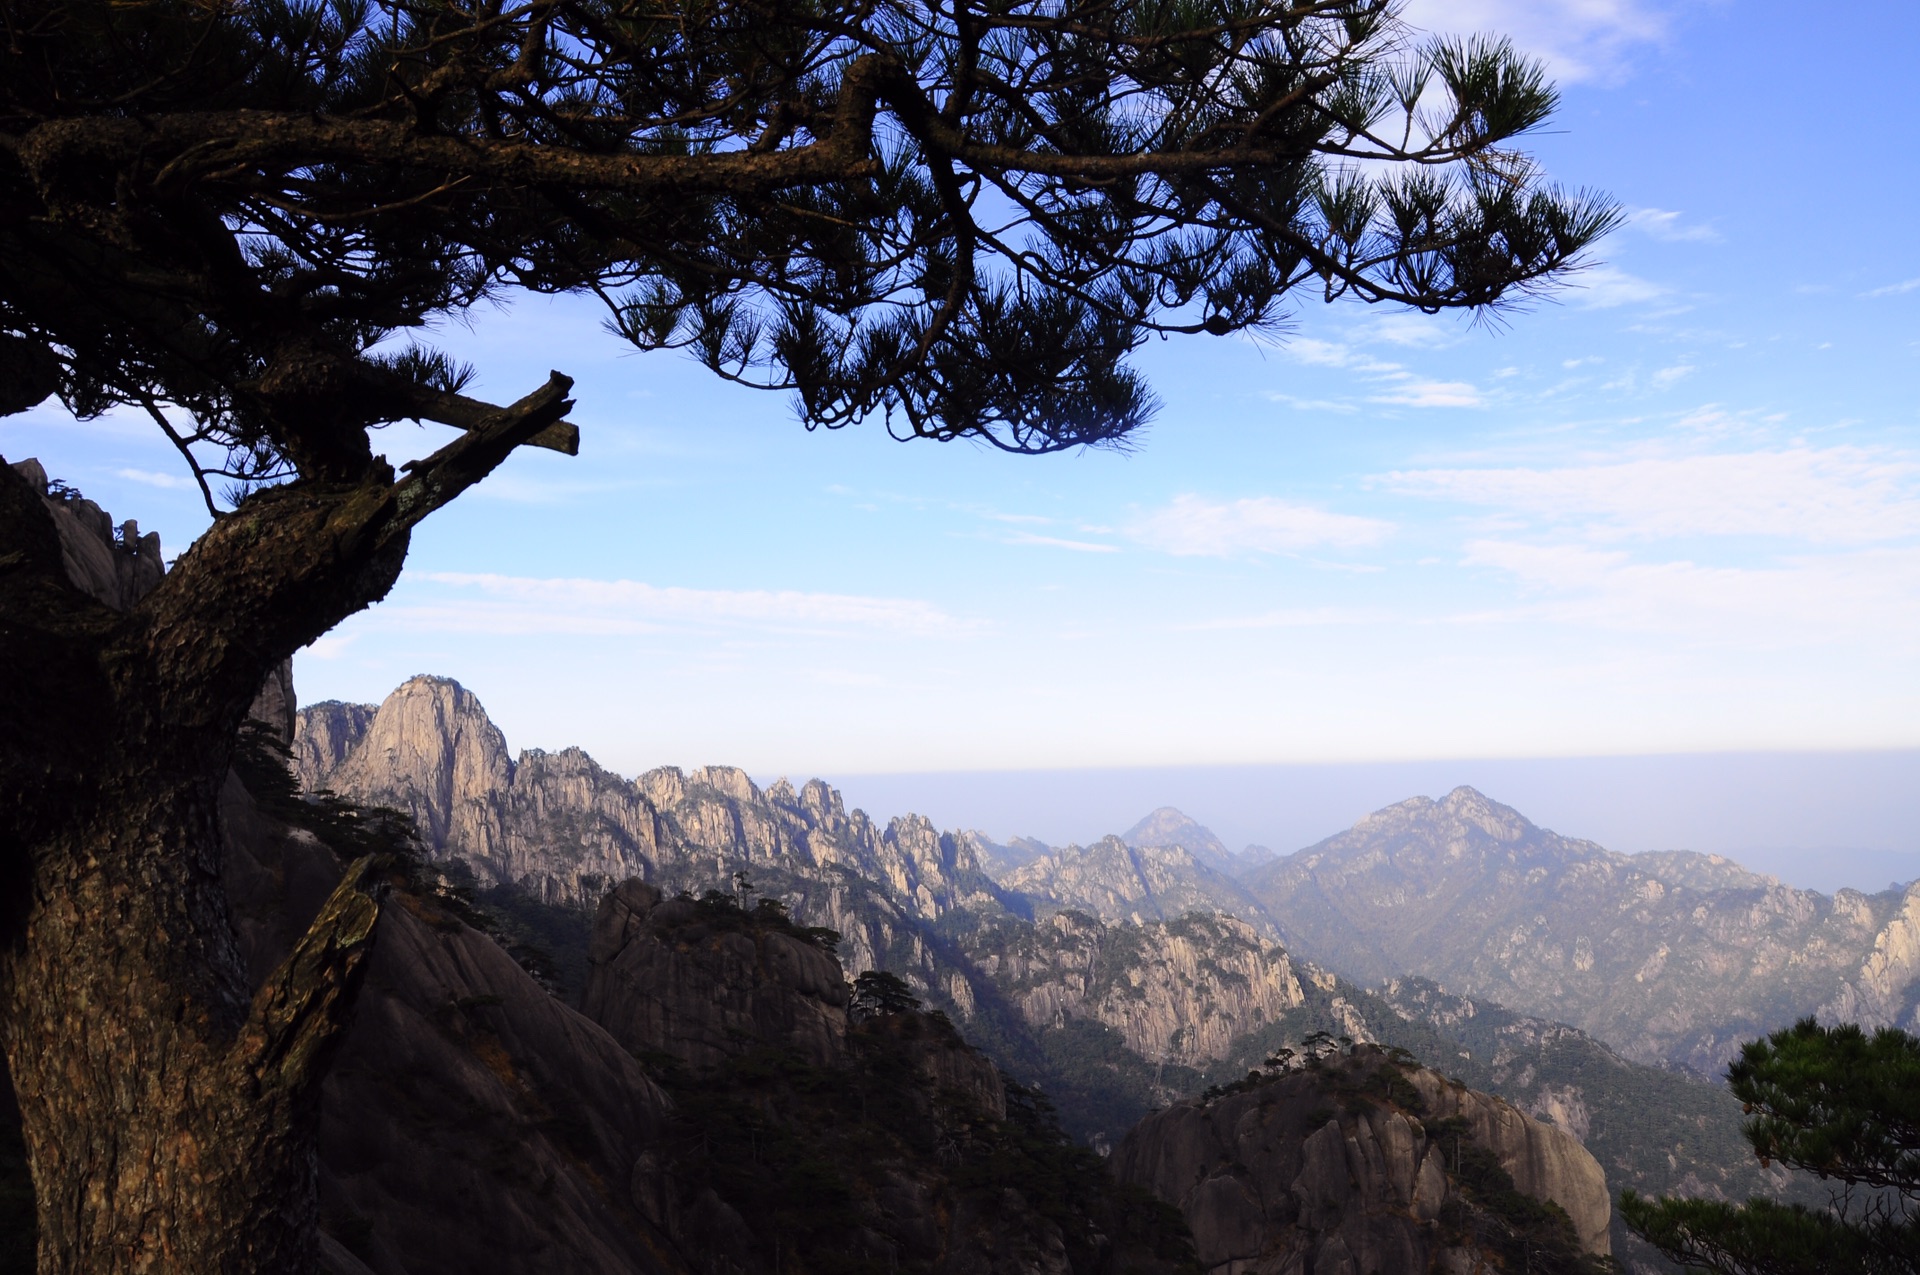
column 115, row 565
column 1360, row 1164
column 1672, row 959
column 1179, row 991
column 703, row 985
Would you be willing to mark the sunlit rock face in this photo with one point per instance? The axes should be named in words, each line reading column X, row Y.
column 563, row 828
column 1179, row 991
column 1356, row 1164
column 1671, row 958
column 113, row 565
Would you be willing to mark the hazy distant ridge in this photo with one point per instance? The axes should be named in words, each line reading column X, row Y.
column 1674, row 958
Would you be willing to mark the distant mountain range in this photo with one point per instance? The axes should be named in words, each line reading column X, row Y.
column 1671, row 958
column 1126, row 973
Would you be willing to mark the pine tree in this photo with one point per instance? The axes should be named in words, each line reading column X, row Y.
column 1832, row 1101
column 242, row 220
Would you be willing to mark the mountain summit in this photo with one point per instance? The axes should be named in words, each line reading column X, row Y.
column 1169, row 827
column 1672, row 958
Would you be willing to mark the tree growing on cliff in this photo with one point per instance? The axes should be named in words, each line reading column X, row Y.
column 1835, row 1102
column 238, row 219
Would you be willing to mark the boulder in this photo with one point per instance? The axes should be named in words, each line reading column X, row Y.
column 1359, row 1163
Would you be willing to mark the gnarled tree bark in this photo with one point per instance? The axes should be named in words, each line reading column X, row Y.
column 169, row 1111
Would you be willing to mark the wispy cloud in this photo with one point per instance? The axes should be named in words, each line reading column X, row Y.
column 1659, row 223
column 1417, row 331
column 1192, row 526
column 1605, row 287
column 1838, row 495
column 1398, row 386
column 154, row 478
column 1058, row 542
column 1296, row 618
column 531, row 605
column 1312, row 404
column 1580, row 39
column 1872, row 593
column 1417, row 393
column 1895, row 289
column 1667, row 377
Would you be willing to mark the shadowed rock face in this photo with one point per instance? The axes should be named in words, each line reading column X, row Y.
column 705, row 984
column 470, row 1122
column 802, row 1140
column 663, row 980
column 1333, row 1171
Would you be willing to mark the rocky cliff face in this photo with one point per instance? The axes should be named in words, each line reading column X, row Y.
column 116, row 565
column 1360, row 1164
column 1116, row 881
column 1671, row 959
column 703, row 985
column 564, row 829
column 473, row 1123
column 1179, row 991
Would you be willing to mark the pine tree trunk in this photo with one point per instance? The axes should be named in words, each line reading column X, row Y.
column 168, row 1108
column 168, row 1111
column 160, row 1138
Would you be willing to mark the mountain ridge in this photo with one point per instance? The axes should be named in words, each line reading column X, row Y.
column 1674, row 959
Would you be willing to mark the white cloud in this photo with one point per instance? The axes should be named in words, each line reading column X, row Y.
column 1894, row 289
column 1311, row 404
column 1400, row 387
column 529, row 605
column 1658, row 223
column 1192, row 526
column 1604, row 287
column 1667, row 377
column 1415, row 330
column 1837, row 495
column 1579, row 39
column 154, row 478
column 1846, row 596
column 1433, row 394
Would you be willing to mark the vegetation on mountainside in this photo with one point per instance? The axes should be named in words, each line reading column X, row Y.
column 809, row 1156
column 1835, row 1102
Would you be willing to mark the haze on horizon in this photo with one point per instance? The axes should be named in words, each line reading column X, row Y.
column 1674, row 511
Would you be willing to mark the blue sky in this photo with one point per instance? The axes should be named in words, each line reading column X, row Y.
column 1675, row 510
